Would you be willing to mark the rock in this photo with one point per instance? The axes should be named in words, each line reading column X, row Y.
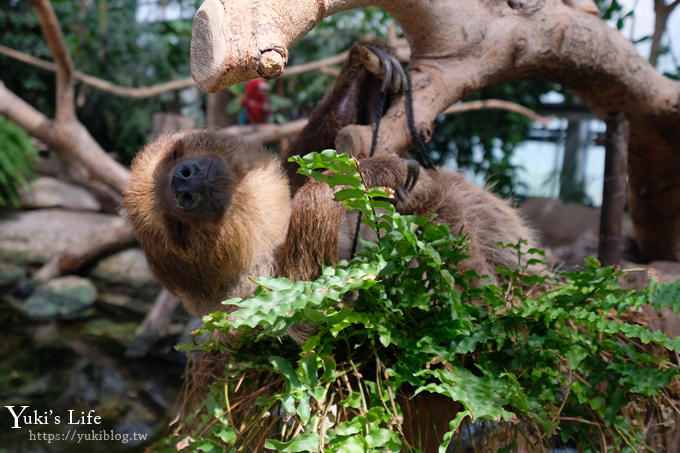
column 128, row 267
column 573, row 254
column 46, row 192
column 121, row 332
column 36, row 236
column 9, row 274
column 61, row 297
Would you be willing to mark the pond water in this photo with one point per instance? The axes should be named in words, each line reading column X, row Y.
column 72, row 389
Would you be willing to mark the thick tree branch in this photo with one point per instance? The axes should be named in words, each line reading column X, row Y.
column 70, row 137
column 55, row 40
column 471, row 44
column 113, row 236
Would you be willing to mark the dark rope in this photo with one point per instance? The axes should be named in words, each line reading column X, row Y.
column 421, row 154
column 374, row 142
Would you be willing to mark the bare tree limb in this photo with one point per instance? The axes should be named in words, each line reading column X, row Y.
column 28, row 59
column 267, row 133
column 661, row 14
column 471, row 44
column 69, row 137
column 156, row 324
column 313, row 65
column 65, row 133
column 270, row 133
column 55, row 40
column 101, row 84
column 179, row 84
column 112, row 236
column 501, row 105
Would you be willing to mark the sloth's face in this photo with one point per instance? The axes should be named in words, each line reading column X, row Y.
column 194, row 184
column 199, row 194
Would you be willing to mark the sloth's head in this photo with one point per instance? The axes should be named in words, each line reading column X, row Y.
column 208, row 209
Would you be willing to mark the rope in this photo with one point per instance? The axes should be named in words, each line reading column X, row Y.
column 374, row 142
column 421, row 154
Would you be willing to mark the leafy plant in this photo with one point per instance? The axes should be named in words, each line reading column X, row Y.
column 545, row 361
column 16, row 167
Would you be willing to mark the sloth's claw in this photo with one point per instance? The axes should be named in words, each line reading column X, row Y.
column 412, row 175
column 393, row 75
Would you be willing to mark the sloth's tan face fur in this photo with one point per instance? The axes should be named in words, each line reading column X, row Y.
column 209, row 252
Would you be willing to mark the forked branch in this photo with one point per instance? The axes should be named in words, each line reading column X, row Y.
column 461, row 46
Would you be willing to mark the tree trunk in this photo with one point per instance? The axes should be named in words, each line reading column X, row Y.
column 614, row 190
column 572, row 176
column 216, row 116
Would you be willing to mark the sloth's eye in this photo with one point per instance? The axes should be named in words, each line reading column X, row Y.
column 175, row 154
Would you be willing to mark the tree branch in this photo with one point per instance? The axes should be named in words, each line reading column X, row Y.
column 113, row 236
column 270, row 133
column 471, row 44
column 55, row 40
column 501, row 105
column 70, row 137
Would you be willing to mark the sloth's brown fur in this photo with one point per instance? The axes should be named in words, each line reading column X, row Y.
column 205, row 261
column 465, row 207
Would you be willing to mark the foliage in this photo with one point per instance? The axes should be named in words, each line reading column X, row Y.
column 16, row 166
column 549, row 358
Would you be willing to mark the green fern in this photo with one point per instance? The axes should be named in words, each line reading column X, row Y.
column 17, row 154
column 558, row 365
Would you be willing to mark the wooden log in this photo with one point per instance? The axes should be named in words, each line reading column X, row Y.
column 115, row 235
column 156, row 324
column 614, row 190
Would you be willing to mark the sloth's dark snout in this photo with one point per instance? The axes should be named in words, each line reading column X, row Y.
column 191, row 180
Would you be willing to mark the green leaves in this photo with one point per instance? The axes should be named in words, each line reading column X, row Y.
column 480, row 396
column 402, row 319
column 303, row 442
column 16, row 166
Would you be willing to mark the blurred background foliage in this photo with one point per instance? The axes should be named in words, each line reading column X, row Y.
column 16, row 155
column 117, row 41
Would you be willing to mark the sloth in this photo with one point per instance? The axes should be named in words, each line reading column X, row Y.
column 212, row 210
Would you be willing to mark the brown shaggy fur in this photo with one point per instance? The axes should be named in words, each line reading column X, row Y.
column 204, row 261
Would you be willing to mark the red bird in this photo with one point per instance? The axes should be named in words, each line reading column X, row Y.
column 255, row 105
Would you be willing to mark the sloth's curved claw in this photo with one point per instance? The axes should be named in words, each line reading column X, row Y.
column 393, row 75
column 412, row 175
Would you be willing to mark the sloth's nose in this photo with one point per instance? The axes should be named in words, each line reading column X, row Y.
column 189, row 182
